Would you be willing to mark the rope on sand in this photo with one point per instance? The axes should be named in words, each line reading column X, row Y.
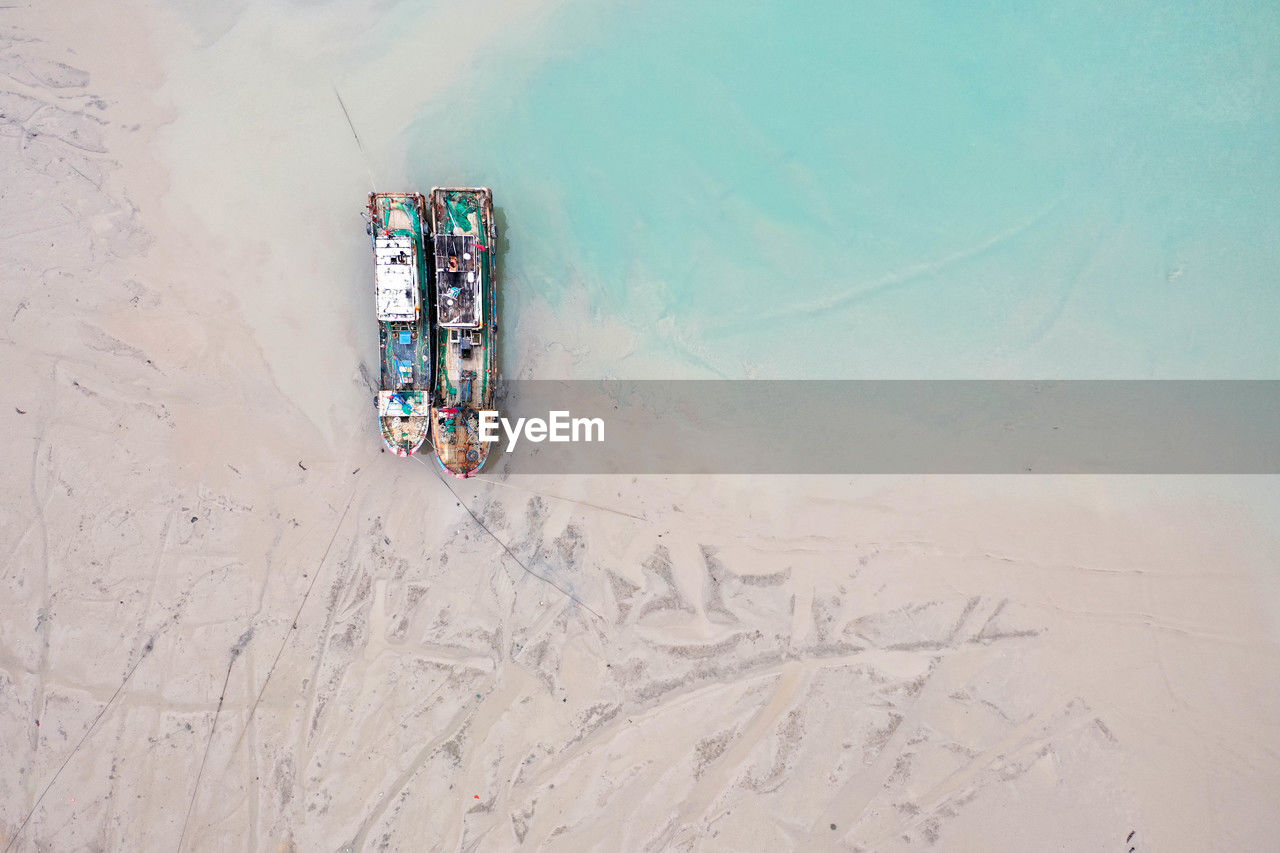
column 359, row 144
column 296, row 616
column 509, row 552
column 620, row 512
column 235, row 653
column 146, row 650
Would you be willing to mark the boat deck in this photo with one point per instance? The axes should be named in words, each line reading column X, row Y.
column 404, row 330
column 466, row 335
column 406, row 357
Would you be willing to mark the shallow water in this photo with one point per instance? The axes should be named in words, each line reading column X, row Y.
column 682, row 660
column 886, row 189
column 863, row 190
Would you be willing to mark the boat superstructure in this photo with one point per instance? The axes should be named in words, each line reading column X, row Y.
column 464, row 240
column 398, row 225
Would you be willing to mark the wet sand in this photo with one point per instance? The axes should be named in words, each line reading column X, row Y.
column 229, row 621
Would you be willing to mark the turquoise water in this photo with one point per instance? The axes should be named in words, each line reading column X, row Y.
column 890, row 189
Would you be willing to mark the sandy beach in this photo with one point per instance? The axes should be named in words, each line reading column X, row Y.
column 228, row 621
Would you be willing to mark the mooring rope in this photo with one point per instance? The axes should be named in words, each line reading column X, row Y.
column 373, row 185
column 509, row 552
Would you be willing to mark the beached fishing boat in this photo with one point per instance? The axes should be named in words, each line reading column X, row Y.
column 464, row 239
column 398, row 226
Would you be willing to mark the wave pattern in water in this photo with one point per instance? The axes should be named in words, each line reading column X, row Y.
column 892, row 189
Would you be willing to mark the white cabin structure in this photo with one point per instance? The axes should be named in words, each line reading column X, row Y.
column 396, row 275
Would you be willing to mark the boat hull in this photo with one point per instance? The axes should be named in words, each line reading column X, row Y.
column 464, row 237
column 398, row 226
column 455, row 435
column 405, row 420
column 404, row 436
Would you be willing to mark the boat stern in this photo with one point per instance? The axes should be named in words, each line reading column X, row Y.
column 455, row 434
column 404, row 436
column 404, row 419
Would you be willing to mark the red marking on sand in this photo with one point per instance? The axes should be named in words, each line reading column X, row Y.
column 477, row 796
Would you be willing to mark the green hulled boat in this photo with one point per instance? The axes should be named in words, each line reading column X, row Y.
column 398, row 227
column 464, row 239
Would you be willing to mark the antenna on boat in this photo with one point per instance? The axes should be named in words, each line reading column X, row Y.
column 372, row 183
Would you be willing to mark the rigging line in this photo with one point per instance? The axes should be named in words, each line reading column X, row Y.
column 511, row 554
column 297, row 615
column 146, row 650
column 364, row 154
column 235, row 653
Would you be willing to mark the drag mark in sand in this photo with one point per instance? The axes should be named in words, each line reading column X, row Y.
column 222, row 695
column 1056, row 718
column 46, row 598
column 297, row 614
column 510, row 554
column 429, row 749
column 146, row 650
column 620, row 512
